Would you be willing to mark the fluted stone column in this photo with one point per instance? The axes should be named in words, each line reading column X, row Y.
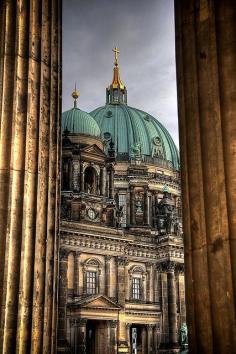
column 111, row 183
column 121, row 279
column 30, row 118
column 144, row 340
column 128, row 339
column 107, row 275
column 155, row 339
column 132, row 206
column 172, row 310
column 150, row 339
column 76, row 272
column 206, row 80
column 148, row 292
column 81, row 340
column 62, row 295
column 113, row 337
column 103, row 181
column 82, row 177
column 146, row 206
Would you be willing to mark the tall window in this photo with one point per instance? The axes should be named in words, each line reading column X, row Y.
column 91, row 283
column 136, row 288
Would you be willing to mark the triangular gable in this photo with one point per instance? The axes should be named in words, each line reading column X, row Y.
column 99, row 301
column 93, row 149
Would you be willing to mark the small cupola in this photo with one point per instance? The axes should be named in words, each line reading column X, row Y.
column 116, row 93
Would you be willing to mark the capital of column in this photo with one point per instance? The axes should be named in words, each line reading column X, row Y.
column 122, row 261
column 180, row 268
column 81, row 322
column 77, row 254
column 168, row 267
column 150, row 326
column 108, row 258
column 64, row 253
column 73, row 322
column 113, row 323
column 148, row 264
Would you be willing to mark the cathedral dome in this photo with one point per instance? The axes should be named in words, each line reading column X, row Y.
column 127, row 126
column 132, row 131
column 79, row 122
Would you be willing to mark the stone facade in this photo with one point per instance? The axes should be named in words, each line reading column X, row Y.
column 121, row 253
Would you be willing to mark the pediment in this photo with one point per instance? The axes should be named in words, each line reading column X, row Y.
column 99, row 301
column 93, row 150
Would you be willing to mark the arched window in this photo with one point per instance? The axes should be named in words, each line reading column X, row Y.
column 91, row 275
column 90, row 180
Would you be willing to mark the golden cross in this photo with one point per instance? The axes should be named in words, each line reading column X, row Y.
column 116, row 51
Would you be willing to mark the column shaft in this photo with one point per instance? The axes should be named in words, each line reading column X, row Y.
column 121, row 281
column 81, row 177
column 132, row 207
column 206, row 80
column 146, row 207
column 149, row 339
column 62, row 295
column 29, row 169
column 113, row 337
column 144, row 340
column 172, row 311
column 107, row 275
column 103, row 181
column 111, row 184
column 81, row 340
column 76, row 273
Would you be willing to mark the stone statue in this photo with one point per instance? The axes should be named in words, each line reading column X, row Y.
column 183, row 336
column 135, row 152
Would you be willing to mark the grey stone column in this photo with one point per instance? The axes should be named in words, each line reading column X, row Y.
column 76, row 272
column 62, row 296
column 146, row 206
column 156, row 283
column 148, row 292
column 121, row 281
column 132, row 206
column 172, row 310
column 206, row 81
column 107, row 275
column 128, row 339
column 155, row 339
column 113, row 337
column 111, row 183
column 102, row 181
column 150, row 339
column 81, row 339
column 82, row 177
column 144, row 339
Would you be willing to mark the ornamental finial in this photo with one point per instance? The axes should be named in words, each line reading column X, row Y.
column 75, row 94
column 116, row 51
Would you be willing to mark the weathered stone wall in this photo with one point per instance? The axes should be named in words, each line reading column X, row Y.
column 206, row 78
column 30, row 91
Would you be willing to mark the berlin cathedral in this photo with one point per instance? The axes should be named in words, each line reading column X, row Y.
column 121, row 267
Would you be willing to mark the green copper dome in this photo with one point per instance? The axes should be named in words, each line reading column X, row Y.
column 79, row 122
column 128, row 126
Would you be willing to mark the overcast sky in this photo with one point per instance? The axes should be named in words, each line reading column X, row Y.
column 143, row 30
